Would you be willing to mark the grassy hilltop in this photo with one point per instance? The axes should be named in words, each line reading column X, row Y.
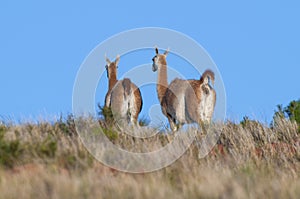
column 250, row 160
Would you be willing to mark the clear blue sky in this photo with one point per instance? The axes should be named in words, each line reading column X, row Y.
column 256, row 46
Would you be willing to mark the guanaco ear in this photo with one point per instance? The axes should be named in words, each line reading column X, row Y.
column 117, row 60
column 108, row 62
column 156, row 50
column 166, row 52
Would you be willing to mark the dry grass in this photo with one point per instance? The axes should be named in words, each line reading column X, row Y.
column 251, row 160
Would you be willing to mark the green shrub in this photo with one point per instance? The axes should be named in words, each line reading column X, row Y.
column 67, row 126
column 10, row 151
column 110, row 133
column 291, row 111
column 48, row 147
column 107, row 113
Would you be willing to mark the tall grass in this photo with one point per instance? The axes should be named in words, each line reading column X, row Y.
column 250, row 160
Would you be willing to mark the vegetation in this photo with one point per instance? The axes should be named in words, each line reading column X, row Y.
column 106, row 114
column 291, row 111
column 250, row 160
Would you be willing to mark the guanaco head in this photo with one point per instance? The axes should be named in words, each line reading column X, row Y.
column 111, row 67
column 159, row 59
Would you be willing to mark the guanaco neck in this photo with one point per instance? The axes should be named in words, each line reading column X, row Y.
column 112, row 80
column 162, row 81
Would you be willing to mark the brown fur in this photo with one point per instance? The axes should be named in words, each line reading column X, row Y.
column 118, row 92
column 189, row 92
column 162, row 82
column 139, row 101
column 112, row 80
column 195, row 84
column 111, row 69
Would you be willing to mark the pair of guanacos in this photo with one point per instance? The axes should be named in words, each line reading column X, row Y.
column 182, row 101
